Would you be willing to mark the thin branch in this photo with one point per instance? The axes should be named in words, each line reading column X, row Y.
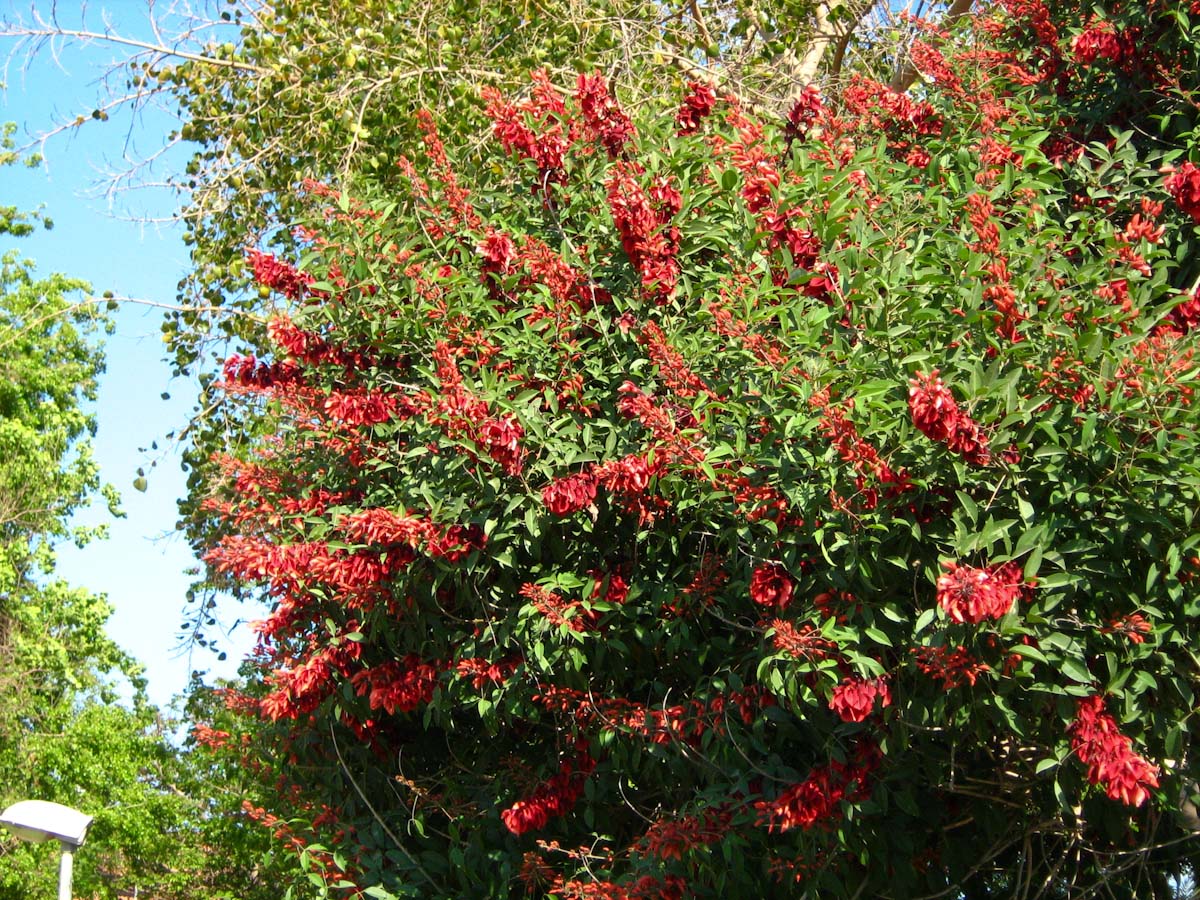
column 45, row 34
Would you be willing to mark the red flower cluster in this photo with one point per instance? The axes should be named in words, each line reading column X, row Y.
column 1183, row 184
column 247, row 372
column 771, row 586
column 937, row 415
column 554, row 798
column 546, row 145
column 1186, row 316
column 398, row 686
column 968, row 594
column 498, row 251
column 818, row 799
column 629, row 475
column 805, row 112
column 207, row 736
column 672, row 367
column 603, row 116
column 384, row 527
column 1108, row 754
column 650, row 241
column 802, row 643
column 502, row 438
column 854, row 699
column 672, row 838
column 700, row 101
column 1101, row 40
column 884, row 111
column 570, row 494
column 1134, row 626
column 932, row 64
column 484, row 673
column 856, row 450
column 645, row 888
column 277, row 275
column 559, row 610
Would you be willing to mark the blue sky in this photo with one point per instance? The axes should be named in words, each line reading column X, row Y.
column 116, row 245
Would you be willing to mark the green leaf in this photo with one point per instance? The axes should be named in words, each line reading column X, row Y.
column 1076, row 671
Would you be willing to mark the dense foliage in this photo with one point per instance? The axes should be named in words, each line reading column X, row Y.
column 686, row 505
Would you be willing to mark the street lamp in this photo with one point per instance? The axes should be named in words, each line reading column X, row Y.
column 39, row 820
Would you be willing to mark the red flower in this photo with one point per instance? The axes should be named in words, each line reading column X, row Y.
column 498, row 251
column 570, row 494
column 953, row 668
column 1134, row 626
column 604, row 118
column 932, row 406
column 1183, row 184
column 771, row 586
column 555, row 797
column 804, row 642
column 629, row 475
column 968, row 594
column 1102, row 41
column 502, row 437
column 807, row 109
column 1109, row 756
column 695, row 107
column 854, row 699
column 398, row 686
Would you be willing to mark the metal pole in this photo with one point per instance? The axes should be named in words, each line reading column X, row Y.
column 66, row 866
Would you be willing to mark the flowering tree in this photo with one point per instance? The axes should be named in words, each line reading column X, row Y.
column 689, row 505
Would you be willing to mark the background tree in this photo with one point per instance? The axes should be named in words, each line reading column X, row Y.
column 75, row 726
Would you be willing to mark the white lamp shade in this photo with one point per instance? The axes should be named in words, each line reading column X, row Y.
column 40, row 820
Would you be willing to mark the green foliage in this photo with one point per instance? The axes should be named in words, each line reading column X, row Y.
column 75, row 727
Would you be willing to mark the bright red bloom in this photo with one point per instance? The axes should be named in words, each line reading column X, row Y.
column 399, row 686
column 1101, row 40
column 1186, row 316
column 1134, row 626
column 817, row 800
column 1183, row 184
column 672, row 838
column 696, row 106
column 854, row 699
column 547, row 144
column 570, row 494
column 804, row 113
column 771, row 586
column 953, row 668
column 502, row 438
column 555, row 797
column 803, row 643
column 932, row 406
column 605, row 119
column 936, row 414
column 277, row 275
column 1109, row 756
column 968, row 594
column 498, row 252
column 629, row 475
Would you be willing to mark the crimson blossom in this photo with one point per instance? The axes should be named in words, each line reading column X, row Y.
column 972, row 595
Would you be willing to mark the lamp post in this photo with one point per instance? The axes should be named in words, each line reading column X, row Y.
column 39, row 820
